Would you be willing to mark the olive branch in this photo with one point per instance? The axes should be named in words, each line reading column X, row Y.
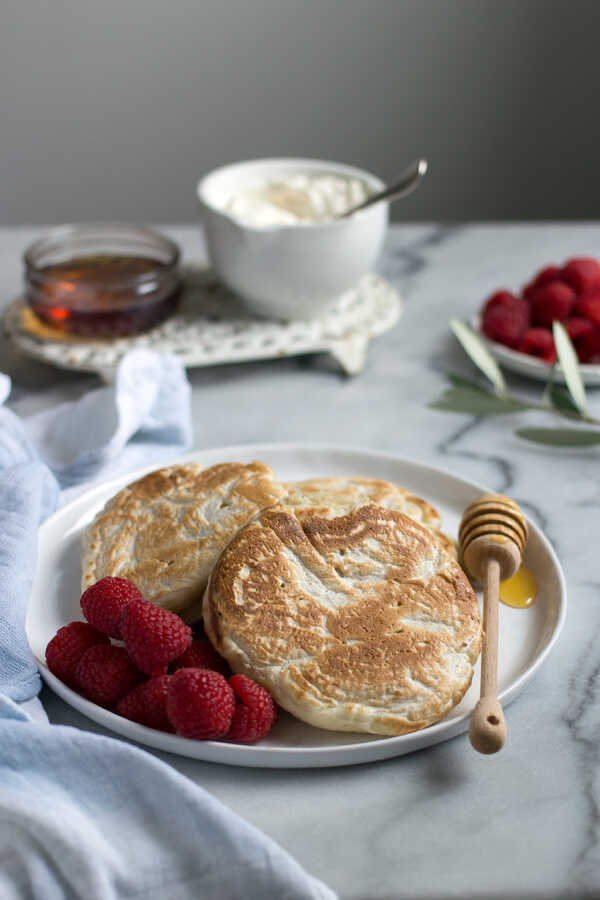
column 492, row 399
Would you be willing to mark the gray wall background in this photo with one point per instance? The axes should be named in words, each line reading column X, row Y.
column 113, row 109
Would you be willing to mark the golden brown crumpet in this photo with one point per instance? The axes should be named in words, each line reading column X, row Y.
column 360, row 622
column 165, row 531
column 339, row 495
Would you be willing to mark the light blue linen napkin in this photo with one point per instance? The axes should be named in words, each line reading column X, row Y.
column 125, row 426
column 84, row 816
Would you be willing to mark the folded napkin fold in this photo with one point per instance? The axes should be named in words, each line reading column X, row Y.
column 139, row 418
column 84, row 816
column 118, row 428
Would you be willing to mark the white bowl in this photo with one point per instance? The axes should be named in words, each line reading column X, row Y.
column 292, row 271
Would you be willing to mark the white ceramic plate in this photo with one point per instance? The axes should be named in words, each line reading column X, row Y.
column 529, row 366
column 526, row 636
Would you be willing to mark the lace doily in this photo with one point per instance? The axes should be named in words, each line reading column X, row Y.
column 210, row 327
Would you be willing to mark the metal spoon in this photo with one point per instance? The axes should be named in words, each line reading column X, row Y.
column 404, row 185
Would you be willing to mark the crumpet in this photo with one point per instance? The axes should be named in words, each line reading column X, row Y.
column 359, row 622
column 339, row 495
column 165, row 531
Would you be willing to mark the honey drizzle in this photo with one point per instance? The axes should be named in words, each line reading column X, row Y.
column 520, row 591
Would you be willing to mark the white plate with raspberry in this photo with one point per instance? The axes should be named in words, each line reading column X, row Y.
column 517, row 327
column 526, row 635
column 530, row 366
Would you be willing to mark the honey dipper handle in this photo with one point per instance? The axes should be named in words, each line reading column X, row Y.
column 489, row 653
column 487, row 730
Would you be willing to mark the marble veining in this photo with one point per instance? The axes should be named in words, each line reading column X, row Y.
column 581, row 717
column 443, row 822
column 448, row 447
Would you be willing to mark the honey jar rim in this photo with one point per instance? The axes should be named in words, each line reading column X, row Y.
column 52, row 239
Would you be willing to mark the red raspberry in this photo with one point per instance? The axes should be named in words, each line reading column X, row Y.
column 506, row 321
column 103, row 603
column 577, row 327
column 147, row 703
column 153, row 636
column 202, row 655
column 544, row 276
column 539, row 342
column 500, row 298
column 553, row 301
column 200, row 704
column 255, row 711
column 589, row 349
column 588, row 307
column 581, row 274
column 68, row 646
column 106, row 673
column 585, row 337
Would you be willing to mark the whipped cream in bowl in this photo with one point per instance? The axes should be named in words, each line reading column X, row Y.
column 296, row 198
column 274, row 238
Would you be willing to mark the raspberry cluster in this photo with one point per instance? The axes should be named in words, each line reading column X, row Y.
column 569, row 294
column 161, row 678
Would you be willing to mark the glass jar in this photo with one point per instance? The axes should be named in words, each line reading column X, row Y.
column 102, row 280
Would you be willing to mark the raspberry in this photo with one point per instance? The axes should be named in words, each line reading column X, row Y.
column 202, row 655
column 553, row 301
column 589, row 349
column 539, row 342
column 153, row 636
column 200, row 704
column 585, row 337
column 544, row 276
column 506, row 321
column 106, row 673
column 577, row 327
column 103, row 603
column 581, row 274
column 147, row 703
column 255, row 711
column 500, row 298
column 68, row 646
column 588, row 307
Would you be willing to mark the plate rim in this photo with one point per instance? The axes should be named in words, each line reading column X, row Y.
column 282, row 756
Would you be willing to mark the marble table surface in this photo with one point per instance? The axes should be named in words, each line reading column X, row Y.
column 441, row 822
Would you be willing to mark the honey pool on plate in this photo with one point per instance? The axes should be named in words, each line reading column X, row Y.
column 519, row 591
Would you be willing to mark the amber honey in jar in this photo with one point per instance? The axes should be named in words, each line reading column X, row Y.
column 102, row 280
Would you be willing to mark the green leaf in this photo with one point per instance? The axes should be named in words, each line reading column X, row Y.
column 462, row 381
column 560, row 437
column 570, row 366
column 478, row 353
column 549, row 388
column 476, row 402
column 560, row 399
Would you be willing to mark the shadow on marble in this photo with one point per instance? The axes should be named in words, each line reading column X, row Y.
column 524, row 895
column 231, row 373
column 442, row 767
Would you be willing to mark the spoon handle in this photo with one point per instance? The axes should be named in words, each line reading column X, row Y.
column 487, row 729
column 404, row 185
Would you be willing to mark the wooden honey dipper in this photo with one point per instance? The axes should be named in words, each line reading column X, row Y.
column 492, row 537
